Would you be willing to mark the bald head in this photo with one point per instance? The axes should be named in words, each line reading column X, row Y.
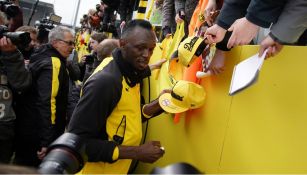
column 105, row 48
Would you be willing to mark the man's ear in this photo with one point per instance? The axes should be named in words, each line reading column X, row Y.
column 122, row 42
column 54, row 44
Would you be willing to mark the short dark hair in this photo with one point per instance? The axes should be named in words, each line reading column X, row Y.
column 133, row 24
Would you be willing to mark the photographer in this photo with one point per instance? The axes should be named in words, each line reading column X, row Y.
column 89, row 62
column 46, row 118
column 13, row 77
column 27, row 51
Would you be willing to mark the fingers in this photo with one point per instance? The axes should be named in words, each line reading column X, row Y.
column 231, row 41
column 232, row 38
column 178, row 19
column 156, row 143
column 210, row 39
column 216, row 71
column 231, row 27
column 3, row 41
column 41, row 154
column 166, row 91
column 261, row 50
column 160, row 62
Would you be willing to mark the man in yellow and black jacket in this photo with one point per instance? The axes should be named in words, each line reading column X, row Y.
column 109, row 114
column 46, row 116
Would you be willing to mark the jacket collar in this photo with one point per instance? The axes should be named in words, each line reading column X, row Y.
column 131, row 75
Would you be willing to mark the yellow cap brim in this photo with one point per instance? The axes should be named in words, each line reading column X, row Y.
column 165, row 101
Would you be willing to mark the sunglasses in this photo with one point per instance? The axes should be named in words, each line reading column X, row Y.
column 71, row 43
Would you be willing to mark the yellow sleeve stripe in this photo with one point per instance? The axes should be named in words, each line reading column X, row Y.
column 145, row 115
column 56, row 64
column 115, row 154
column 143, row 3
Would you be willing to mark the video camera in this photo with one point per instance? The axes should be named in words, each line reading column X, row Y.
column 20, row 39
column 66, row 155
column 45, row 25
column 9, row 8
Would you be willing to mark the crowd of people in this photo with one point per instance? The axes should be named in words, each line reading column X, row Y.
column 91, row 87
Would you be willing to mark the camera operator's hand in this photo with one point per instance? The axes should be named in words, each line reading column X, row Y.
column 42, row 153
column 6, row 45
column 150, row 152
column 122, row 25
column 82, row 61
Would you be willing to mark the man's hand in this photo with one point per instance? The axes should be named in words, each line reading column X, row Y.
column 178, row 16
column 122, row 25
column 153, row 108
column 6, row 45
column 215, row 34
column 217, row 64
column 165, row 91
column 273, row 47
column 149, row 152
column 211, row 6
column 157, row 65
column 82, row 61
column 243, row 31
column 42, row 153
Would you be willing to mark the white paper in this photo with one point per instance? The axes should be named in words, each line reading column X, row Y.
column 245, row 73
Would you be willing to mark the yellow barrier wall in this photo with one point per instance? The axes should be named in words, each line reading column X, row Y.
column 262, row 129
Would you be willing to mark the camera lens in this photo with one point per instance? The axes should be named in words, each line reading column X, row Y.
column 19, row 38
column 65, row 155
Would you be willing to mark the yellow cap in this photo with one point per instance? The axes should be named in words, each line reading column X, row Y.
column 185, row 95
column 191, row 48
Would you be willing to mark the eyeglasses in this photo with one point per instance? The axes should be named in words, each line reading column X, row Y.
column 71, row 43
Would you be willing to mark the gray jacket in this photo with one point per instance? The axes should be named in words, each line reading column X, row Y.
column 291, row 23
column 171, row 7
column 14, row 77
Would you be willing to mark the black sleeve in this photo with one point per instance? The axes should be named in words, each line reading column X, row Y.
column 264, row 12
column 100, row 95
column 43, row 104
column 124, row 4
column 19, row 78
column 232, row 10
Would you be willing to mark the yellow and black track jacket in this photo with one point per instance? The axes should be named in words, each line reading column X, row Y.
column 107, row 100
column 49, row 93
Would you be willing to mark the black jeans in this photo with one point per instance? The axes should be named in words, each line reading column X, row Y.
column 6, row 141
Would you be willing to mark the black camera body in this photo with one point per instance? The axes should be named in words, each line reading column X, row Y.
column 89, row 59
column 66, row 155
column 45, row 25
column 9, row 8
column 20, row 39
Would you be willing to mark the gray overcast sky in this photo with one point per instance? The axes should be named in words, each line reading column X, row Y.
column 67, row 9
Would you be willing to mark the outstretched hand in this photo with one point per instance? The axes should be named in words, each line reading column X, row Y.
column 157, row 65
column 211, row 7
column 243, row 31
column 273, row 47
